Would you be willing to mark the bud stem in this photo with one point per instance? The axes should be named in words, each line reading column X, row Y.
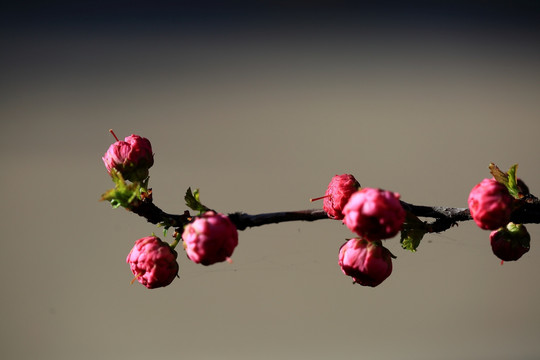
column 113, row 134
column 319, row 198
column 175, row 242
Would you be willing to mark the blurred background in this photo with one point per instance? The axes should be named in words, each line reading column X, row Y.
column 259, row 104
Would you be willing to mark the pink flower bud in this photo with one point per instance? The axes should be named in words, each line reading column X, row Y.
column 339, row 191
column 153, row 262
column 490, row 204
column 131, row 157
column 211, row 238
column 511, row 242
column 367, row 262
column 374, row 214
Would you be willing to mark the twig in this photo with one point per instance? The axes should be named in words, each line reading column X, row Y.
column 243, row 220
column 527, row 211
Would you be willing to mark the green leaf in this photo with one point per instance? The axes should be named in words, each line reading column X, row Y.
column 196, row 195
column 124, row 194
column 500, row 176
column 512, row 185
column 193, row 202
column 413, row 231
column 507, row 179
column 411, row 238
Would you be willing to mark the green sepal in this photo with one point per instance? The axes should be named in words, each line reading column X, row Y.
column 143, row 188
column 412, row 233
column 124, row 194
column 508, row 179
column 193, row 201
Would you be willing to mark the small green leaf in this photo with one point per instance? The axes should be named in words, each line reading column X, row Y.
column 193, row 202
column 115, row 204
column 190, row 199
column 507, row 179
column 500, row 176
column 411, row 238
column 512, row 185
column 412, row 233
column 123, row 194
column 196, row 195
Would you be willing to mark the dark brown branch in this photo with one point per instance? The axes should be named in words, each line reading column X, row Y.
column 242, row 221
column 445, row 217
column 438, row 212
column 148, row 210
column 527, row 211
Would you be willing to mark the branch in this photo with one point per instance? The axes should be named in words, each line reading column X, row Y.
column 527, row 211
column 367, row 261
column 153, row 214
column 242, row 220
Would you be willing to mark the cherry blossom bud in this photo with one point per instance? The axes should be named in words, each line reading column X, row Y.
column 490, row 204
column 153, row 262
column 131, row 157
column 511, row 242
column 374, row 214
column 339, row 191
column 211, row 238
column 367, row 262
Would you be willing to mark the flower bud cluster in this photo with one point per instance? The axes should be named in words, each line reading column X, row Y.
column 208, row 239
column 371, row 213
column 491, row 205
column 374, row 215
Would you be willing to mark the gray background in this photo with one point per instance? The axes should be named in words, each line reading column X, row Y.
column 259, row 108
